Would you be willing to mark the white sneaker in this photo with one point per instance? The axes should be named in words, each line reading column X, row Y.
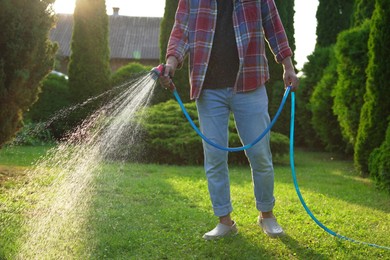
column 221, row 230
column 270, row 226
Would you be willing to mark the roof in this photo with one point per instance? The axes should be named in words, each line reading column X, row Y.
column 130, row 37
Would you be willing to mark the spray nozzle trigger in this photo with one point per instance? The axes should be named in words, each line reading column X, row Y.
column 158, row 72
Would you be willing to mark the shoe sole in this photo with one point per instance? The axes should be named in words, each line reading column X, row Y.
column 230, row 234
column 273, row 235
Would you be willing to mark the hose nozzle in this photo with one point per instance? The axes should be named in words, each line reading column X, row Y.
column 158, row 72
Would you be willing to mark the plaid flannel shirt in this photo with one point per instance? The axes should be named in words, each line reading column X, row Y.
column 253, row 21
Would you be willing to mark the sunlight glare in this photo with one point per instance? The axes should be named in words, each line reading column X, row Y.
column 64, row 6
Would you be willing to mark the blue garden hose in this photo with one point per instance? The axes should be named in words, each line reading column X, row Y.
column 232, row 149
column 292, row 163
column 308, row 211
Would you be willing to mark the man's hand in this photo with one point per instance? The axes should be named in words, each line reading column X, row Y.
column 290, row 78
column 169, row 71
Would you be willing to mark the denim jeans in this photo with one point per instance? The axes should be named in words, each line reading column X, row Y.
column 250, row 110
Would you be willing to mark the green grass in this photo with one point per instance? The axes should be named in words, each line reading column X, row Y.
column 161, row 212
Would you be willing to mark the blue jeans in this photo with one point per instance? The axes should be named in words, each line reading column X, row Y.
column 250, row 110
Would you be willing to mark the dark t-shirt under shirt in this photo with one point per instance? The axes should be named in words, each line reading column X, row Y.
column 223, row 65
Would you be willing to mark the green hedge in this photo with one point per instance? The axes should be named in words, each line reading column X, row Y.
column 379, row 163
column 323, row 120
column 169, row 138
column 53, row 97
column 33, row 134
column 127, row 72
column 351, row 53
column 374, row 114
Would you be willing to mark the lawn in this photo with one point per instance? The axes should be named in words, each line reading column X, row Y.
column 161, row 212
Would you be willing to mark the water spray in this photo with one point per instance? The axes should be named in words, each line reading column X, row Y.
column 158, row 72
column 56, row 225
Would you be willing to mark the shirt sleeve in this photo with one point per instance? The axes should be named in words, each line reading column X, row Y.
column 274, row 31
column 178, row 40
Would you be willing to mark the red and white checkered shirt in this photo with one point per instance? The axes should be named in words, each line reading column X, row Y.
column 253, row 21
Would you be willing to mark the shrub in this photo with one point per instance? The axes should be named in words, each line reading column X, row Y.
column 351, row 53
column 379, row 163
column 313, row 71
column 53, row 98
column 33, row 134
column 375, row 111
column 169, row 138
column 128, row 71
column 323, row 120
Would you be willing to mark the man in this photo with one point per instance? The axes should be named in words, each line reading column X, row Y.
column 225, row 40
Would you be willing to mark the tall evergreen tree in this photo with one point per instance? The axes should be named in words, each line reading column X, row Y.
column 26, row 56
column 351, row 52
column 89, row 68
column 374, row 115
column 379, row 163
column 275, row 85
column 321, row 102
column 181, row 78
column 352, row 59
column 333, row 16
column 362, row 10
column 313, row 72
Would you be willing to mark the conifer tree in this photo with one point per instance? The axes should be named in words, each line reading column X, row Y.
column 362, row 11
column 333, row 16
column 352, row 59
column 323, row 120
column 181, row 78
column 26, row 57
column 275, row 86
column 379, row 163
column 374, row 117
column 89, row 68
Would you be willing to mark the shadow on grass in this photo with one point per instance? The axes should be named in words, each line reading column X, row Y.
column 326, row 174
column 299, row 251
column 335, row 179
column 139, row 212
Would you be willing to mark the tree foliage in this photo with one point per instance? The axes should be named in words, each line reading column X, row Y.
column 333, row 16
column 181, row 78
column 123, row 74
column 379, row 163
column 374, row 115
column 363, row 10
column 89, row 68
column 53, row 98
column 26, row 57
column 352, row 59
column 275, row 86
column 321, row 102
column 313, row 71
